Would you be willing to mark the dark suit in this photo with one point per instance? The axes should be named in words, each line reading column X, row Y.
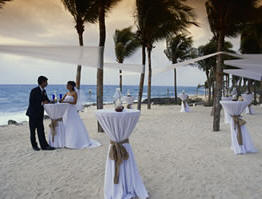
column 35, row 112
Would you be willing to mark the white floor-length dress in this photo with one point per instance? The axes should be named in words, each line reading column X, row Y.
column 76, row 135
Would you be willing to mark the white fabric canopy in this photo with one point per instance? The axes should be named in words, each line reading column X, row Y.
column 78, row 55
column 245, row 73
column 248, row 65
column 253, row 61
column 187, row 62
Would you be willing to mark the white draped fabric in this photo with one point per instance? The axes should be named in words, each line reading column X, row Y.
column 252, row 65
column 81, row 55
column 246, row 73
column 248, row 98
column 118, row 126
column 236, row 108
column 56, row 111
column 78, row 55
column 227, row 118
column 184, row 108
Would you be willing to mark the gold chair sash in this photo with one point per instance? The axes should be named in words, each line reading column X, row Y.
column 118, row 153
column 52, row 126
column 238, row 122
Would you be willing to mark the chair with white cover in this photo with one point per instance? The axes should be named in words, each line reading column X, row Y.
column 241, row 140
column 122, row 179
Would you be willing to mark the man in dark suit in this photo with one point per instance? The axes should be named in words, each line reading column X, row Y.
column 35, row 112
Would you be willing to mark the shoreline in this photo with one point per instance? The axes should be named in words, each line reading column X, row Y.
column 193, row 100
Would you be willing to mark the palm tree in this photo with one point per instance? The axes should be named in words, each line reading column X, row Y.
column 178, row 48
column 251, row 41
column 103, row 7
column 82, row 11
column 157, row 19
column 126, row 44
column 226, row 19
column 208, row 65
column 2, row 2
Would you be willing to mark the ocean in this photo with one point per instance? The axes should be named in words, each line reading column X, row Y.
column 14, row 98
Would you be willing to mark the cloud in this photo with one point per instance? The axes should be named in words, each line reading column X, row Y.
column 48, row 22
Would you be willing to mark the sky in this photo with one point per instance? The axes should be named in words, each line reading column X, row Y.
column 36, row 22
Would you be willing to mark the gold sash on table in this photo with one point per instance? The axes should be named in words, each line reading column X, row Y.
column 118, row 153
column 52, row 126
column 238, row 122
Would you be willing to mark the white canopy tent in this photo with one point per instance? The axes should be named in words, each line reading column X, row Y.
column 250, row 64
column 246, row 64
column 244, row 74
column 78, row 55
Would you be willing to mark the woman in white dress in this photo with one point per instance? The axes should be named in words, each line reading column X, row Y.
column 76, row 135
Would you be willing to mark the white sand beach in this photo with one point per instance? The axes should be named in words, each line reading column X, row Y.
column 177, row 154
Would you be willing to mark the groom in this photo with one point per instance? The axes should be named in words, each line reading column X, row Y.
column 35, row 112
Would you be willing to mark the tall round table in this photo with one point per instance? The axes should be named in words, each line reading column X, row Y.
column 227, row 118
column 241, row 140
column 184, row 104
column 248, row 98
column 122, row 179
column 56, row 136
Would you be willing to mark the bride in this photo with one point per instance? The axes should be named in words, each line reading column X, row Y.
column 76, row 135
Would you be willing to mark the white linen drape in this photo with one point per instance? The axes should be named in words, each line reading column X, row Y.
column 118, row 127
column 236, row 108
column 248, row 98
column 227, row 118
column 56, row 111
column 184, row 108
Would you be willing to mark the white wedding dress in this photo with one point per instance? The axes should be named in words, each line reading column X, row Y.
column 76, row 135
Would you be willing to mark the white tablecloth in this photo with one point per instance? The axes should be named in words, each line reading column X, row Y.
column 236, row 108
column 118, row 127
column 248, row 98
column 227, row 118
column 56, row 111
column 184, row 108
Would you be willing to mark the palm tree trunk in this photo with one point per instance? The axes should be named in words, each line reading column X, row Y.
column 219, row 83
column 227, row 88
column 100, row 71
column 80, row 29
column 255, row 93
column 120, row 81
column 175, row 85
column 209, row 87
column 149, row 50
column 260, row 96
column 78, row 76
column 209, row 95
column 142, row 78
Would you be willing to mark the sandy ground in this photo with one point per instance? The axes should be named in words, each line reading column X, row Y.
column 177, row 154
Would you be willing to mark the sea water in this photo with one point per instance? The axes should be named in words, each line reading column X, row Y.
column 14, row 99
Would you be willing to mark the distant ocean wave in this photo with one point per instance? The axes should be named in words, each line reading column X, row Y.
column 14, row 98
